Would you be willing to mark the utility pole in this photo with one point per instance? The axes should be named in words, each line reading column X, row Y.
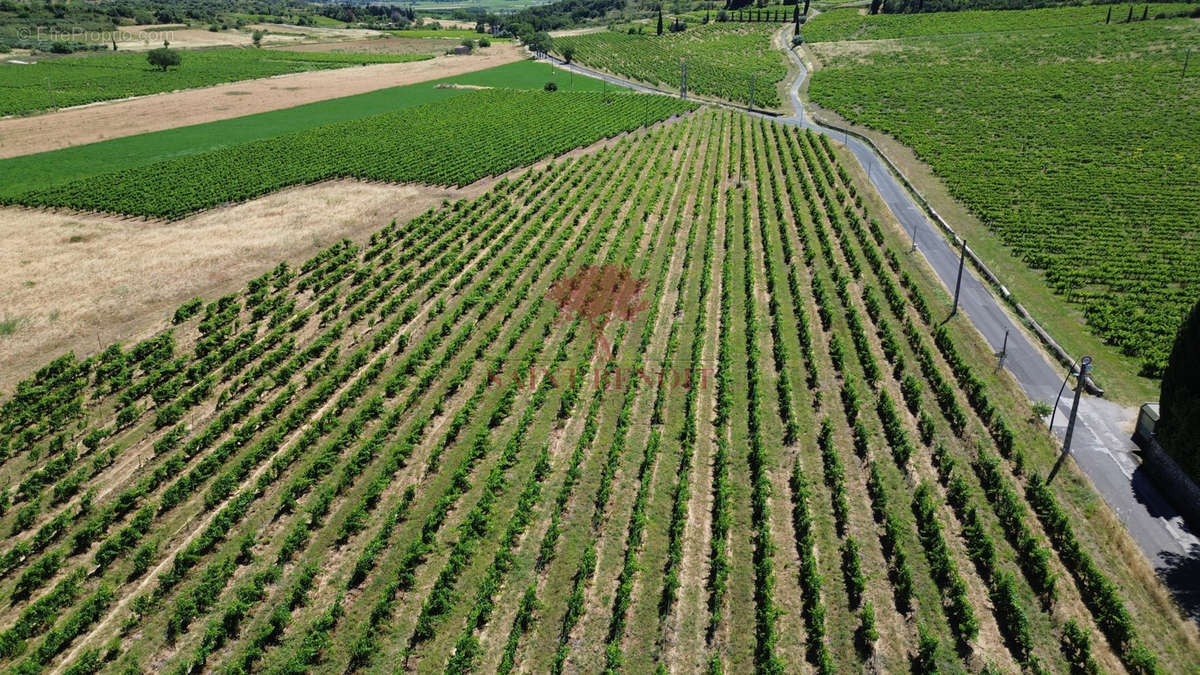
column 1085, row 365
column 958, row 284
column 683, row 79
column 1060, row 391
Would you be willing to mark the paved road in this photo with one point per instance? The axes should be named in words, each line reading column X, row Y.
column 1101, row 445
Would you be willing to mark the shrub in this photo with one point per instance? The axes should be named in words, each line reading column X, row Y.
column 867, row 634
column 927, row 646
column 164, row 57
column 551, row 86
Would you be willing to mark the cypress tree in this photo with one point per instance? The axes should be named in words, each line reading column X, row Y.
column 805, row 7
column 1109, row 17
column 1179, row 399
column 660, row 19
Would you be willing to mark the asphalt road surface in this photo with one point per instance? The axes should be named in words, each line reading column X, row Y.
column 1101, row 445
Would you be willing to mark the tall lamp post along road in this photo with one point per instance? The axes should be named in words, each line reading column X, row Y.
column 1085, row 366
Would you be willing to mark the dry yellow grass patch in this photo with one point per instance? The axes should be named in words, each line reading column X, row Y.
column 80, row 282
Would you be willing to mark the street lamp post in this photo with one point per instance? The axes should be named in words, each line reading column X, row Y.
column 958, row 284
column 1085, row 365
column 1060, row 391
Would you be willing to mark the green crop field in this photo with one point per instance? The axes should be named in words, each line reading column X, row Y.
column 1073, row 140
column 452, row 142
column 358, row 463
column 720, row 59
column 76, row 80
column 40, row 171
column 848, row 24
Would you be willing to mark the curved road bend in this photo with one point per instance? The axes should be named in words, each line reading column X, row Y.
column 1101, row 445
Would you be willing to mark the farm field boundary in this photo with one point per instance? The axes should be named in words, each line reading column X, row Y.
column 78, row 80
column 114, row 119
column 444, row 143
column 42, row 170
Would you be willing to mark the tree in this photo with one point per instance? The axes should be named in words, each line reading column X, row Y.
column 660, row 25
column 1145, row 12
column 796, row 16
column 568, row 53
column 875, row 6
column 1109, row 17
column 163, row 57
column 540, row 42
column 551, row 86
column 1179, row 399
column 257, row 37
column 1129, row 18
column 805, row 7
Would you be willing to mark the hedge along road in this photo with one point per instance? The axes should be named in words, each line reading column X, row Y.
column 1101, row 444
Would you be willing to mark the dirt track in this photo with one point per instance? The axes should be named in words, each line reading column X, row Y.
column 102, row 121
